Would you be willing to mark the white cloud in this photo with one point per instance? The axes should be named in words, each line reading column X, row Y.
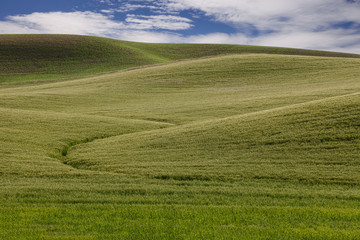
column 88, row 23
column 128, row 7
column 167, row 22
column 108, row 2
column 135, row 28
column 295, row 23
column 265, row 14
column 108, row 11
column 61, row 23
column 332, row 40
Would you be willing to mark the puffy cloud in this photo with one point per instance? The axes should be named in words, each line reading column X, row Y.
column 272, row 14
column 134, row 28
column 61, row 23
column 333, row 40
column 88, row 23
column 321, row 24
column 168, row 22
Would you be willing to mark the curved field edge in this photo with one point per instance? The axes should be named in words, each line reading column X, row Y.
column 170, row 94
column 33, row 141
column 41, row 198
column 313, row 142
column 44, row 57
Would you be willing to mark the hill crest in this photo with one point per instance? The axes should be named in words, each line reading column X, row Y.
column 43, row 57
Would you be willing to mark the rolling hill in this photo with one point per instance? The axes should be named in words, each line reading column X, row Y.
column 44, row 57
column 201, row 142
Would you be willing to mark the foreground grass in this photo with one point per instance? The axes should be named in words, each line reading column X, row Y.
column 104, row 207
column 233, row 147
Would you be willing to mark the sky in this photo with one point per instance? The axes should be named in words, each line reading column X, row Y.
column 332, row 25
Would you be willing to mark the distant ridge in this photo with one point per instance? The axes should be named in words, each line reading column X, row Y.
column 42, row 57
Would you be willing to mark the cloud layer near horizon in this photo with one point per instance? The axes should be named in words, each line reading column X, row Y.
column 322, row 24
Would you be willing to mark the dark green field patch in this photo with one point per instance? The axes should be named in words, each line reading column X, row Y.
column 44, row 57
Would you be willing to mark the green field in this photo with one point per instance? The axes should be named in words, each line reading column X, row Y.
column 46, row 57
column 191, row 142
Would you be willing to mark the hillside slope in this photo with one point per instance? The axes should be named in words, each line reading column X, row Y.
column 239, row 146
column 206, row 91
column 317, row 142
column 42, row 57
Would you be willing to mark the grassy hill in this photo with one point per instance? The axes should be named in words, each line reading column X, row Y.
column 241, row 146
column 44, row 57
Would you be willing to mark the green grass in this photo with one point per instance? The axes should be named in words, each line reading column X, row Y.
column 246, row 146
column 312, row 142
column 45, row 57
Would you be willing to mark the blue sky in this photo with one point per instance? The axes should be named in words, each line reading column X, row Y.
column 314, row 24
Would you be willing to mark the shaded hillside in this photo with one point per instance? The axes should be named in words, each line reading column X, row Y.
column 39, row 57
